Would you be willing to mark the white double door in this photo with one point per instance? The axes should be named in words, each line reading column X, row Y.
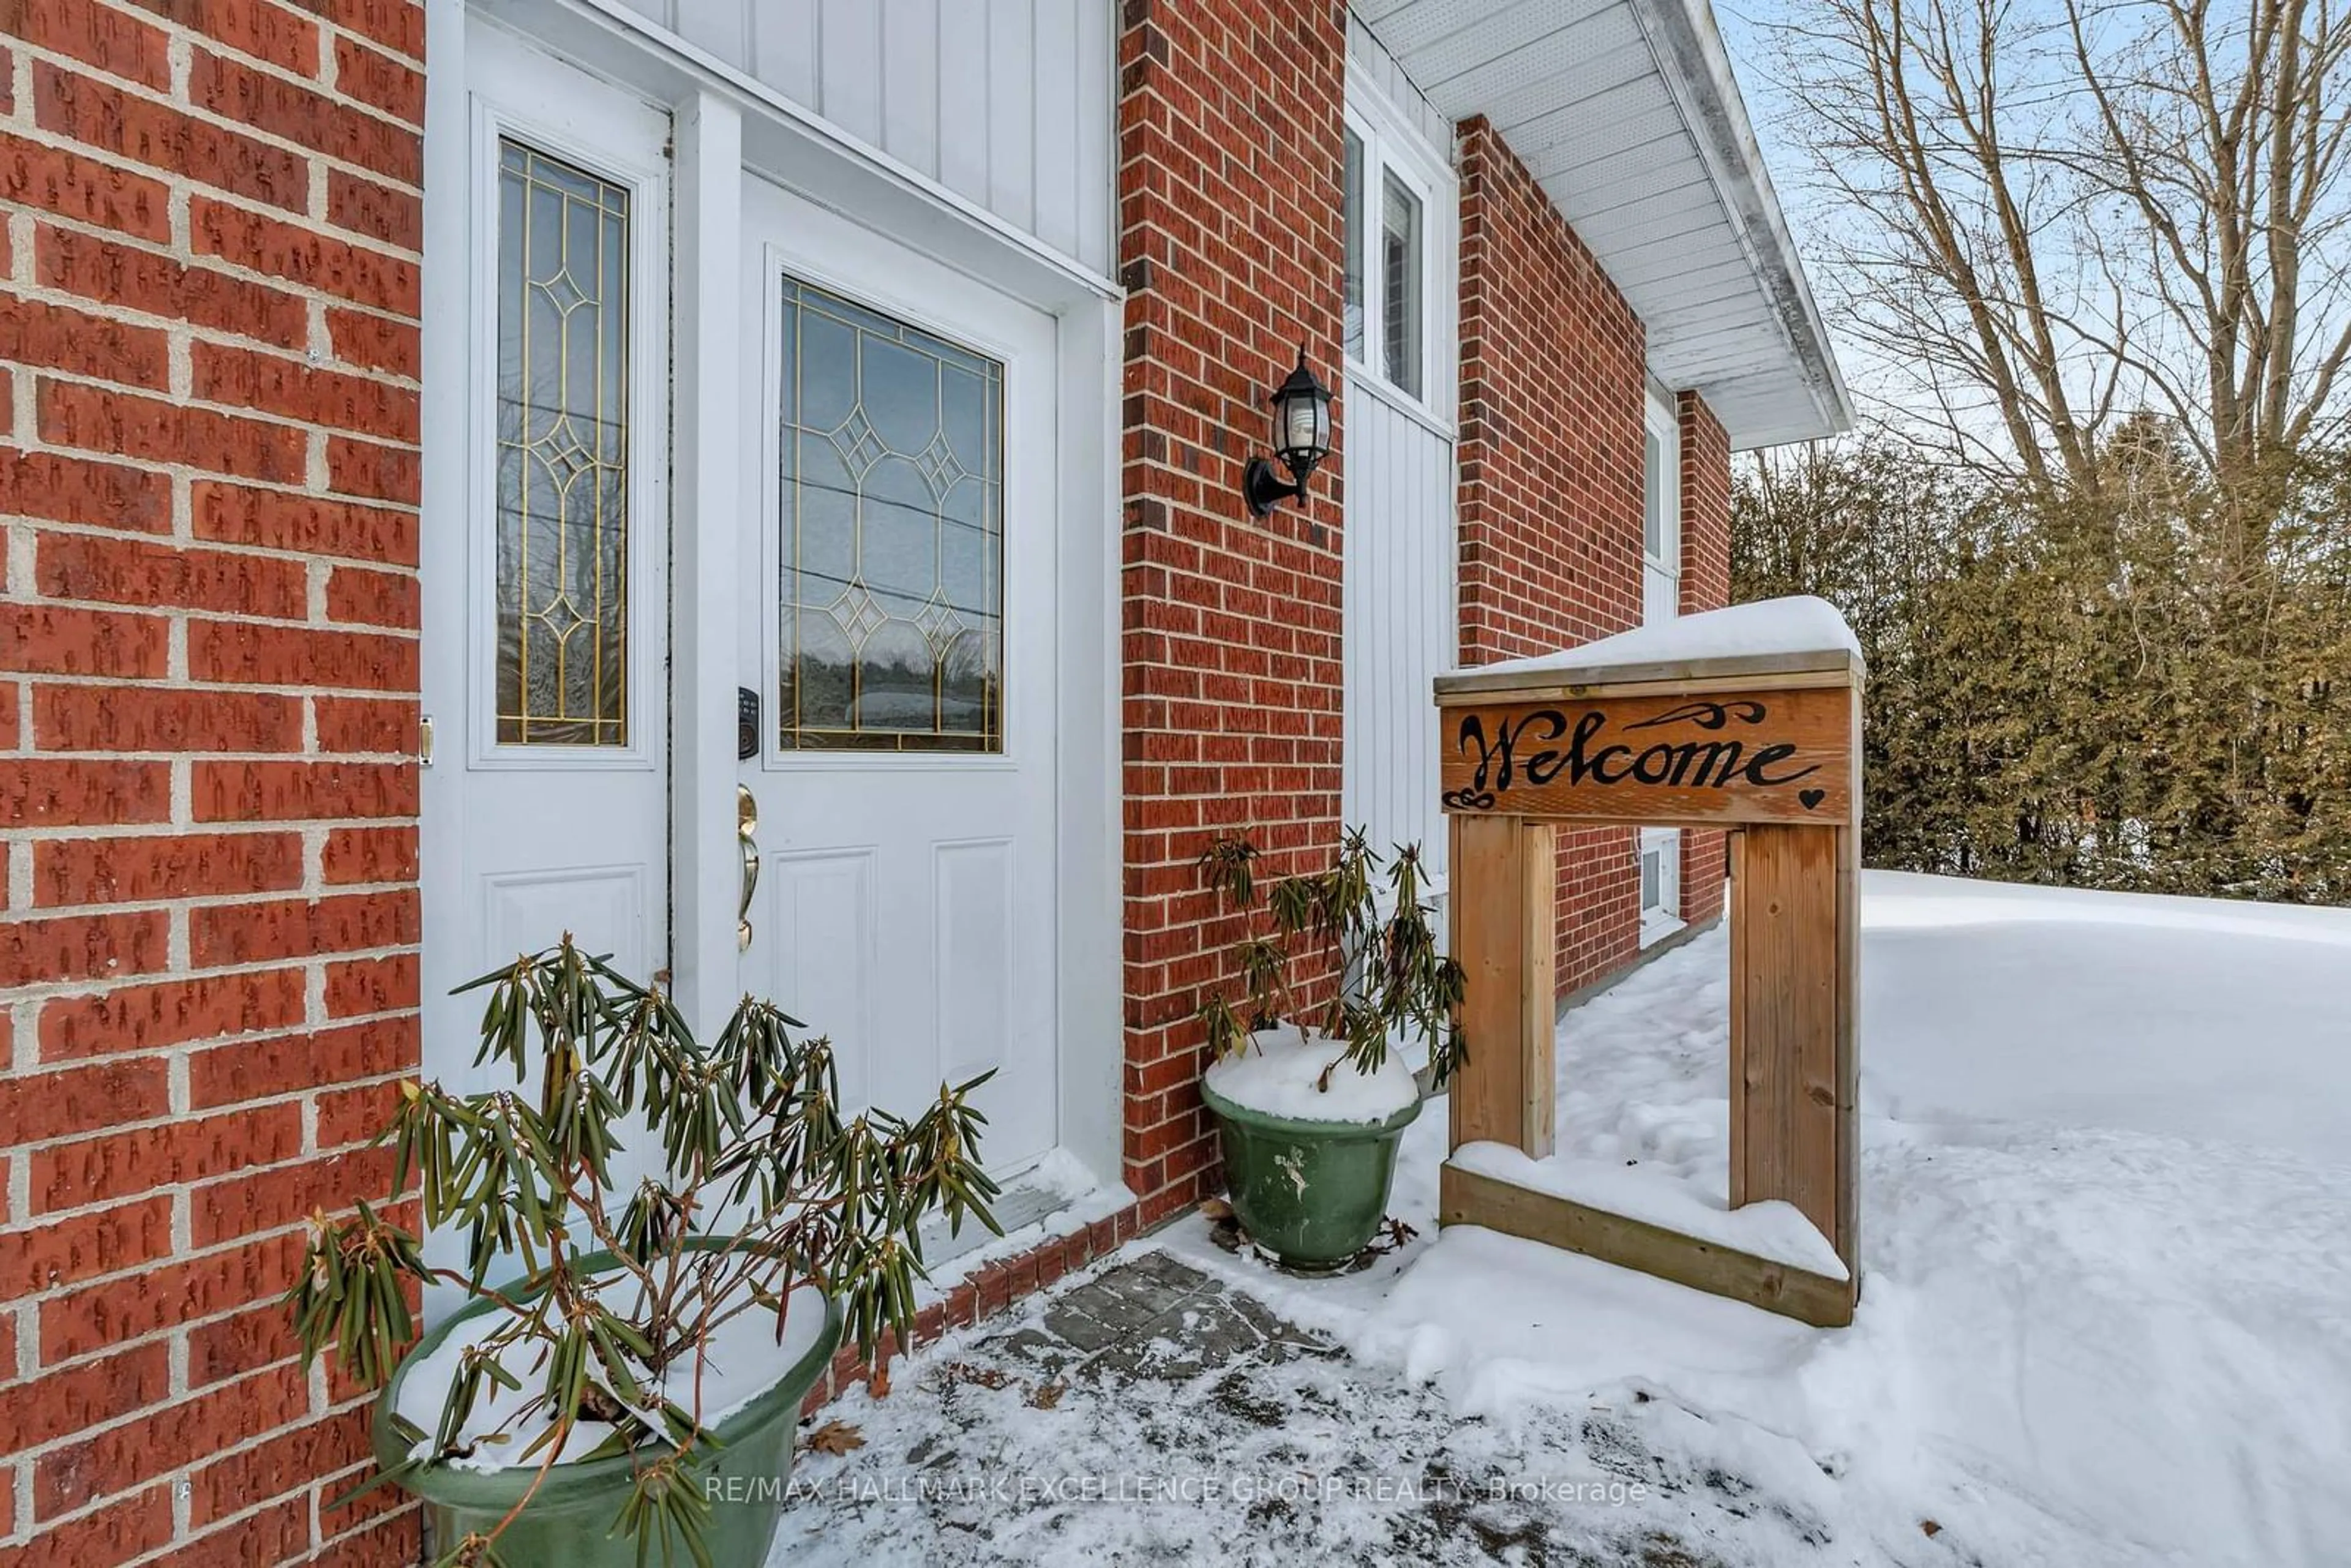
column 891, row 567
column 897, row 653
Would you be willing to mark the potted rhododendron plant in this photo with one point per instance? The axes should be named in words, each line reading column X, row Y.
column 1312, row 1101
column 632, row 1348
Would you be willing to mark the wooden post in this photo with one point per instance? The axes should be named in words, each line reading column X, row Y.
column 1785, row 987
column 1505, row 891
column 1847, row 1234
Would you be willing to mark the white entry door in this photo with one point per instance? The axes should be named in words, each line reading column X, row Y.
column 546, row 601
column 897, row 653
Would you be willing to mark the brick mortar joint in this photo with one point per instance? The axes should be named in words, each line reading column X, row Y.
column 186, row 332
column 181, row 42
column 53, row 375
column 181, row 1054
column 181, row 190
column 193, row 1252
column 92, row 987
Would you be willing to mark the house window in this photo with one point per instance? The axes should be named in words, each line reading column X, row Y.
column 1661, row 513
column 1355, row 246
column 562, row 577
column 1390, row 262
column 1660, row 848
column 1661, row 882
column 1402, row 327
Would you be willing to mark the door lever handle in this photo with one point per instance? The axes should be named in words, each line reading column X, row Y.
column 746, row 827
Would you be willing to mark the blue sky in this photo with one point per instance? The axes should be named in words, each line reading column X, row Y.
column 1747, row 35
column 1747, row 32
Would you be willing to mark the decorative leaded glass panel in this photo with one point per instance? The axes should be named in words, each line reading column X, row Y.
column 562, row 597
column 893, row 525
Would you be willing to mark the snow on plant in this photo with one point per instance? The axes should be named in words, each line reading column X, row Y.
column 764, row 1190
column 1392, row 978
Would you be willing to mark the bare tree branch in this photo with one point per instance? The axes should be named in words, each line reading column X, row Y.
column 2054, row 219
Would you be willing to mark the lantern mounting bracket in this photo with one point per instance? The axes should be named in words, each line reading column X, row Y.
column 1265, row 489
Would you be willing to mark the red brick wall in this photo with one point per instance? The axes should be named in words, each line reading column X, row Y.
column 1229, row 198
column 1552, row 393
column 1706, row 585
column 208, row 677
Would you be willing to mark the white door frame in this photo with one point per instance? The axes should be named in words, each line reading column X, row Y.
column 726, row 123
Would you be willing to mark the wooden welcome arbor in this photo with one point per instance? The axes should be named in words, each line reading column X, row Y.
column 1765, row 744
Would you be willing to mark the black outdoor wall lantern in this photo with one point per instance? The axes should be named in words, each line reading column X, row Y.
column 1301, row 439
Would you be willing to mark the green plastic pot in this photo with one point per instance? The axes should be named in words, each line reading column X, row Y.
column 568, row 1523
column 1312, row 1194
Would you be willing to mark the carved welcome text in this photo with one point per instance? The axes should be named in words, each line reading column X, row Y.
column 1539, row 747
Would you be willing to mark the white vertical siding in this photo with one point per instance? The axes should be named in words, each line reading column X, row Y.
column 1371, row 59
column 1009, row 103
column 724, row 30
column 910, row 90
column 1398, row 618
column 783, row 47
column 1013, row 81
column 850, row 68
column 1055, row 126
column 963, row 149
column 1401, row 616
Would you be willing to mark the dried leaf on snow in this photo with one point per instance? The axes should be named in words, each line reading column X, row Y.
column 833, row 1437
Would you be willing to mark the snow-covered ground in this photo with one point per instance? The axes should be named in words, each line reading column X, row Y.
column 2107, row 1267
column 2106, row 1238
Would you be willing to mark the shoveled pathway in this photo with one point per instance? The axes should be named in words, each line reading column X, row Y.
column 1147, row 1412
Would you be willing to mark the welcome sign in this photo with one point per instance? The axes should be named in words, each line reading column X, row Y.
column 1737, row 756
column 1748, row 719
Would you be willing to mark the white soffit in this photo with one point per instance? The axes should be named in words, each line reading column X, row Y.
column 1625, row 112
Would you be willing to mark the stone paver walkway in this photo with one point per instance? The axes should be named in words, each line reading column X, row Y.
column 1150, row 1413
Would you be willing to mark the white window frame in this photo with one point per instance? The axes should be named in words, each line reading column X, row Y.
column 619, row 142
column 1658, row 855
column 1391, row 145
column 877, row 288
column 1662, row 918
column 1660, row 423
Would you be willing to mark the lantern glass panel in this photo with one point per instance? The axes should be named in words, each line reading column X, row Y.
column 1305, row 425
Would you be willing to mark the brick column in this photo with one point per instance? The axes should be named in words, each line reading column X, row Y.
column 1706, row 585
column 1229, row 208
column 208, row 696
column 1553, row 390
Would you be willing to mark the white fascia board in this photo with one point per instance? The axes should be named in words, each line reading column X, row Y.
column 1697, row 68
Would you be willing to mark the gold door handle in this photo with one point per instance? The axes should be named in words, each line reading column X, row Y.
column 747, row 826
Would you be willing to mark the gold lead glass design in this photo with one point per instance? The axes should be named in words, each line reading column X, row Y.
column 893, row 525
column 562, row 453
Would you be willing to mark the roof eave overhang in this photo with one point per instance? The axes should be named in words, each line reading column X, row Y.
column 1697, row 68
column 1627, row 114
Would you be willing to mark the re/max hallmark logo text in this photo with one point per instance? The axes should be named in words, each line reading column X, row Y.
column 1540, row 748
